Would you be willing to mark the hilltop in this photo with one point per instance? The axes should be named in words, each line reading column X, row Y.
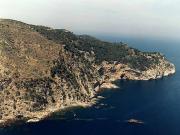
column 43, row 70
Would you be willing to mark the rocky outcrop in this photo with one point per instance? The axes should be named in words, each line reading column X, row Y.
column 43, row 70
column 118, row 71
column 135, row 121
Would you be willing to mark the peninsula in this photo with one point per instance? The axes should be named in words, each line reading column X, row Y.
column 43, row 70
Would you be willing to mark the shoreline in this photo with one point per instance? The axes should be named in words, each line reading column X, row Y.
column 49, row 112
column 46, row 114
column 45, row 70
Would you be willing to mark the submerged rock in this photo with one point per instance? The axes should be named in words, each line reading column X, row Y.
column 134, row 121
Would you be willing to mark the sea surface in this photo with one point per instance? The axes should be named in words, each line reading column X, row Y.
column 155, row 102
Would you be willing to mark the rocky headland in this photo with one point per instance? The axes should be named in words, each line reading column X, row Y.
column 44, row 70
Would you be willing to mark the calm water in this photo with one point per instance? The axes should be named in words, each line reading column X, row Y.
column 157, row 103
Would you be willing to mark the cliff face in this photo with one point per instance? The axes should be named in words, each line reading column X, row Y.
column 42, row 70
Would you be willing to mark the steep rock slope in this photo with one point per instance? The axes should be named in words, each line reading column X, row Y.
column 43, row 70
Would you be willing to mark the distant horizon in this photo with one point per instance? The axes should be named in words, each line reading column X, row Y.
column 138, row 19
column 105, row 36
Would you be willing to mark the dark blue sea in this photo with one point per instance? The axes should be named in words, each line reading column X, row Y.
column 155, row 102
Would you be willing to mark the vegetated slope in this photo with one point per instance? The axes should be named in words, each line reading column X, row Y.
column 43, row 69
column 37, row 74
column 103, row 50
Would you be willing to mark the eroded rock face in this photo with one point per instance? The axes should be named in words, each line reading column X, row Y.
column 43, row 70
column 117, row 71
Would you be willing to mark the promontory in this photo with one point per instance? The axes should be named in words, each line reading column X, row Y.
column 43, row 70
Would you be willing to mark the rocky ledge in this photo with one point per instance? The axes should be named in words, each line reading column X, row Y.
column 45, row 70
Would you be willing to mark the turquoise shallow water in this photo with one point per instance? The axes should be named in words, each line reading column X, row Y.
column 156, row 102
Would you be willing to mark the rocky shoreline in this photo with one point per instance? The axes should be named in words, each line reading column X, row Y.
column 41, row 115
column 45, row 70
column 106, row 85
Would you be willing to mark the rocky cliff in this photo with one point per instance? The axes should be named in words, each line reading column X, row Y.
column 43, row 70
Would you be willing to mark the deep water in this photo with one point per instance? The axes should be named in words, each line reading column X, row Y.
column 155, row 102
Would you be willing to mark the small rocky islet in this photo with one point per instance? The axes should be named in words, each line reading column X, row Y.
column 44, row 70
